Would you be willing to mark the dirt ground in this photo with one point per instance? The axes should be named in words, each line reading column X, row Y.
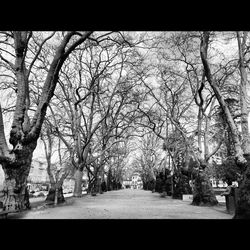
column 123, row 204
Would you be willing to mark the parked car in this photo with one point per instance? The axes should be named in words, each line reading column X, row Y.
column 67, row 191
column 40, row 194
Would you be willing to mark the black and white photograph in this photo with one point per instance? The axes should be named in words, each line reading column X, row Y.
column 127, row 125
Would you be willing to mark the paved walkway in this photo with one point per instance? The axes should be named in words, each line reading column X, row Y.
column 125, row 204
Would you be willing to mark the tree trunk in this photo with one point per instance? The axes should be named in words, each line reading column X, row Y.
column 55, row 194
column 203, row 193
column 16, row 195
column 244, row 93
column 229, row 118
column 243, row 205
column 90, row 185
column 100, row 179
column 109, row 183
column 94, row 188
column 78, row 183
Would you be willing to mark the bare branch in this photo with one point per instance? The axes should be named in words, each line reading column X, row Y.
column 8, row 62
column 38, row 52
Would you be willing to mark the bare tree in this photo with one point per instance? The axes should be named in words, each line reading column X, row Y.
column 179, row 92
column 244, row 91
column 94, row 86
column 57, row 174
column 241, row 154
column 25, row 130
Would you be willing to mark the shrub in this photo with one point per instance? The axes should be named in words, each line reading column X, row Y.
column 228, row 171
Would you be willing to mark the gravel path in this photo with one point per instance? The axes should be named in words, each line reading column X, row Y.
column 125, row 204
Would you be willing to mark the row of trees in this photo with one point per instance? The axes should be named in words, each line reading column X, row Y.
column 87, row 114
column 199, row 107
column 90, row 94
column 69, row 85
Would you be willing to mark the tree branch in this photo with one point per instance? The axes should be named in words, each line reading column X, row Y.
column 4, row 149
column 38, row 52
column 229, row 118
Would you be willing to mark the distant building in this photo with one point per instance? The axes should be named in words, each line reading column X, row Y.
column 134, row 182
column 38, row 172
column 127, row 183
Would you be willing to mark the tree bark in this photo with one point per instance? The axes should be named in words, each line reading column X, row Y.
column 16, row 196
column 94, row 188
column 55, row 194
column 101, row 174
column 242, row 204
column 102, row 179
column 95, row 183
column 244, row 94
column 78, row 183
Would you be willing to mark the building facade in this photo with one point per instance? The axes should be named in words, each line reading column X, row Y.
column 38, row 172
column 134, row 182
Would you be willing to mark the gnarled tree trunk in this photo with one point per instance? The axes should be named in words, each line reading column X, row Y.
column 16, row 196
